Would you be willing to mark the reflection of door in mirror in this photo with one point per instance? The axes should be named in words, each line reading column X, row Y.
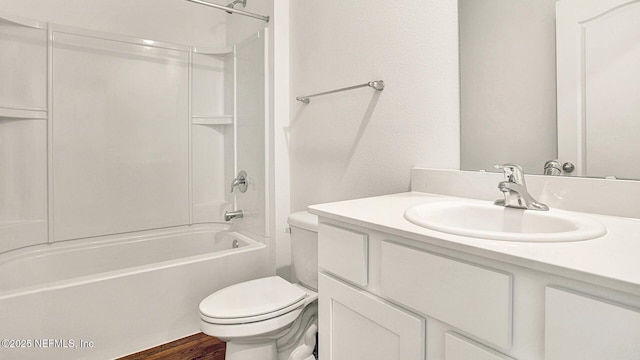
column 598, row 57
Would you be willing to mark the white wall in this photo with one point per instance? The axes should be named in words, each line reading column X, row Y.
column 175, row 21
column 362, row 143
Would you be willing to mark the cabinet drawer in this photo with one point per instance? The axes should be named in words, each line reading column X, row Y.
column 469, row 297
column 582, row 327
column 343, row 253
column 458, row 347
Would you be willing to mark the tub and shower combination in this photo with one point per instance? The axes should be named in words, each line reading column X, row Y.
column 104, row 135
column 111, row 296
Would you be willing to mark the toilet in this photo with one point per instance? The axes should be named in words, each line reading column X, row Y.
column 271, row 318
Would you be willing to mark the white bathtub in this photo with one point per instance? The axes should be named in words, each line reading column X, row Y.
column 109, row 297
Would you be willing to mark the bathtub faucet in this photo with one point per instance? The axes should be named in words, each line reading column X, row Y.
column 228, row 215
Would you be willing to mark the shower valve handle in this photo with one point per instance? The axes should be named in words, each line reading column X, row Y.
column 240, row 182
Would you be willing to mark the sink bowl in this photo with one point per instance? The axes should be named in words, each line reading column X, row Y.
column 488, row 221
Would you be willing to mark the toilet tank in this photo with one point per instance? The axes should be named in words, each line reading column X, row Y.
column 304, row 248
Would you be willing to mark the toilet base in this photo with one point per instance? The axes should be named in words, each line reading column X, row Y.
column 261, row 351
column 268, row 350
column 297, row 344
column 290, row 336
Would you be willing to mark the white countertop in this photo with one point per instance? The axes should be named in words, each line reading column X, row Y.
column 612, row 260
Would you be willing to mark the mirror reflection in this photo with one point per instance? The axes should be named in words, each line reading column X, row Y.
column 543, row 80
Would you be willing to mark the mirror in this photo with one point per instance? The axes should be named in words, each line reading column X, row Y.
column 546, row 79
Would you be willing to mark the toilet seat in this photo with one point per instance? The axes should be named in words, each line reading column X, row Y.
column 265, row 329
column 252, row 301
column 251, row 319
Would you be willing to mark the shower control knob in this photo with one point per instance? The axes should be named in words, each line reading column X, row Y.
column 240, row 182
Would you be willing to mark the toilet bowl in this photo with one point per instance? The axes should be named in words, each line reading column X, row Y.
column 270, row 318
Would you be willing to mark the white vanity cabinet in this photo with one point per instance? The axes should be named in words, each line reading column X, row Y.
column 402, row 297
column 360, row 325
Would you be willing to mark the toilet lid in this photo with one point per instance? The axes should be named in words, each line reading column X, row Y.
column 304, row 220
column 251, row 298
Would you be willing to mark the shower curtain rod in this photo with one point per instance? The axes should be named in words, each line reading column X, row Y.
column 231, row 10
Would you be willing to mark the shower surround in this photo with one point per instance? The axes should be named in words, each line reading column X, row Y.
column 117, row 153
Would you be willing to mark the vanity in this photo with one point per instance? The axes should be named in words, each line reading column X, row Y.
column 393, row 289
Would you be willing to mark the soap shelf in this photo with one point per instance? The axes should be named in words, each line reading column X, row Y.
column 212, row 120
column 11, row 19
column 22, row 113
column 213, row 51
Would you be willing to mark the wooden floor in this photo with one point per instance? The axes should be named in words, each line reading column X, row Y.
column 198, row 346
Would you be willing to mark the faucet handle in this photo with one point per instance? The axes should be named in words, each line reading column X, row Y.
column 512, row 173
column 240, row 181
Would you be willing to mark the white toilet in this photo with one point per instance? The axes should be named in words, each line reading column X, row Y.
column 271, row 318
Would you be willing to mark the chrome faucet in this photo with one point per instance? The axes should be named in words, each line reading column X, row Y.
column 515, row 190
column 552, row 167
column 228, row 215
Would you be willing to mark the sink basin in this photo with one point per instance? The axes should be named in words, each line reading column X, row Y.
column 488, row 221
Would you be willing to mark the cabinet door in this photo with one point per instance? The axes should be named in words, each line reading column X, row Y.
column 355, row 325
column 582, row 327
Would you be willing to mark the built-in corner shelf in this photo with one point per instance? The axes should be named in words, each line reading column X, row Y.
column 22, row 113
column 212, row 51
column 212, row 120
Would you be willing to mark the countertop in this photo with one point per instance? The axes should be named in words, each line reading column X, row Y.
column 612, row 260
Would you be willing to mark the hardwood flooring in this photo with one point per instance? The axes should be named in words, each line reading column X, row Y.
column 194, row 347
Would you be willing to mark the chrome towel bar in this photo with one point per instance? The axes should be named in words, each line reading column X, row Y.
column 376, row 84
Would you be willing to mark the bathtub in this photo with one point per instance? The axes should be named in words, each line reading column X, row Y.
column 107, row 297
